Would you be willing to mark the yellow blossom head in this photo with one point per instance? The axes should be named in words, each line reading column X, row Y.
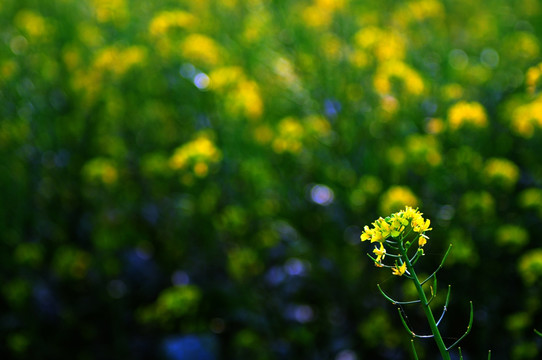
column 466, row 113
column 399, row 232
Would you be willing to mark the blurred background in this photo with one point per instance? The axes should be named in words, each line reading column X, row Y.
column 189, row 179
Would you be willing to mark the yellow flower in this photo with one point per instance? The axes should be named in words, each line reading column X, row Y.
column 115, row 11
column 397, row 226
column 419, row 226
column 422, row 240
column 384, row 228
column 164, row 21
column 367, row 233
column 502, row 172
column 532, row 78
column 380, row 254
column 289, row 137
column 201, row 49
column 527, row 118
column 197, row 154
column 467, row 113
column 399, row 270
column 382, row 44
column 397, row 197
column 388, row 73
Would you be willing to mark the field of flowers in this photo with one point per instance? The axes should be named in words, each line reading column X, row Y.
column 190, row 179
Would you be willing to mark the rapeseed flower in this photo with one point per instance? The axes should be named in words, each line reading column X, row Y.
column 396, row 197
column 380, row 254
column 197, row 155
column 399, row 231
column 527, row 118
column 502, row 172
column 399, row 270
column 466, row 113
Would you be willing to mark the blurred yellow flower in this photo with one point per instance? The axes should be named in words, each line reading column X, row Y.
column 411, row 82
column 527, row 118
column 197, row 154
column 289, row 137
column 532, row 78
column 358, row 58
column 320, row 13
column 331, row 5
column 384, row 45
column 287, row 74
column 530, row 266
column 467, row 114
column 228, row 3
column 331, row 46
column 476, row 205
column 248, row 99
column 33, row 24
column 8, row 69
column 242, row 95
column 114, row 11
column 113, row 60
column 423, row 150
column 368, row 188
column 257, row 24
column 434, row 126
column 317, row 125
column 531, row 198
column 389, row 104
column 417, row 11
column 502, row 172
column 452, row 91
column 396, row 156
column 119, row 60
column 201, row 50
column 223, row 77
column 162, row 22
column 89, row 34
column 397, row 197
column 522, row 46
column 263, row 134
column 101, row 170
column 512, row 236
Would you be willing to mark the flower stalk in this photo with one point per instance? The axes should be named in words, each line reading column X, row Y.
column 397, row 237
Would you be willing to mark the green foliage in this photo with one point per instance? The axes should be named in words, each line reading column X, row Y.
column 167, row 166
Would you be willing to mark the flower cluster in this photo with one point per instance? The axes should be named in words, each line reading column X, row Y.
column 399, row 231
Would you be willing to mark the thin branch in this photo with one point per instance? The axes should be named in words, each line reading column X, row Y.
column 440, row 266
column 414, row 349
column 469, row 327
column 395, row 302
column 403, row 320
column 433, row 290
column 445, row 306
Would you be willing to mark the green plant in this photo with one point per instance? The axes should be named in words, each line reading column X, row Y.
column 401, row 236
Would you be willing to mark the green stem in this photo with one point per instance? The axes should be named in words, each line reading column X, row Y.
column 427, row 310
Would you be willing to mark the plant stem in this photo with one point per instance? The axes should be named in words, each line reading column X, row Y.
column 427, row 310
